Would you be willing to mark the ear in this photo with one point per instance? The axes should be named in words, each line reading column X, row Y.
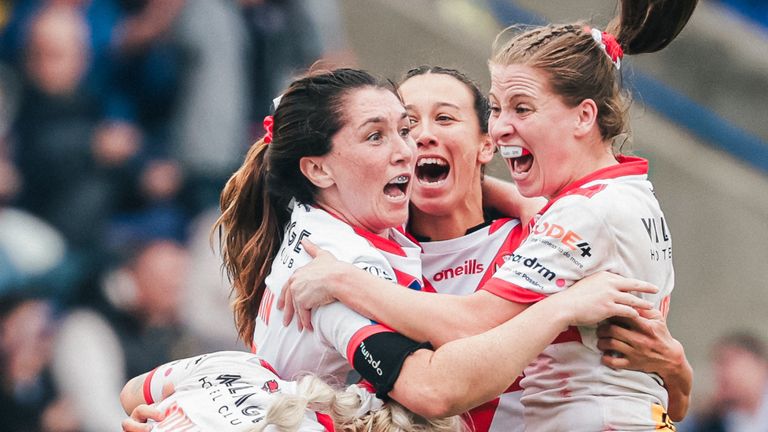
column 316, row 172
column 586, row 119
column 487, row 148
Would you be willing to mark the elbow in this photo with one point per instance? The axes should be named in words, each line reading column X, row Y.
column 128, row 397
column 435, row 401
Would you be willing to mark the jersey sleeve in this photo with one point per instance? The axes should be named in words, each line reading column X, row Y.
column 568, row 242
column 169, row 373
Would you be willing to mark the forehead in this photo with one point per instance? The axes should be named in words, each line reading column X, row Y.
column 435, row 89
column 517, row 80
column 369, row 102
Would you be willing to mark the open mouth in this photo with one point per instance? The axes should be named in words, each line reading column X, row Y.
column 397, row 187
column 432, row 170
column 520, row 159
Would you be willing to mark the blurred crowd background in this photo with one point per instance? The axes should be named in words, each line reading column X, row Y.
column 120, row 121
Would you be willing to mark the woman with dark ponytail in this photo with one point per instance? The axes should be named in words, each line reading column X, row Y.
column 556, row 109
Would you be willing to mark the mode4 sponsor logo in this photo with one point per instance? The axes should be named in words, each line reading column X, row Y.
column 567, row 237
column 469, row 267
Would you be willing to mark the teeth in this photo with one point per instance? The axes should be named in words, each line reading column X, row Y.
column 511, row 151
column 432, row 161
column 399, row 179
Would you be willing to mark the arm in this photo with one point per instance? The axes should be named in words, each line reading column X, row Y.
column 132, row 394
column 326, row 279
column 645, row 344
column 475, row 366
column 504, row 197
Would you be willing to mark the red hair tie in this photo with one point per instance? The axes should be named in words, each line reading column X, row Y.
column 269, row 121
column 609, row 44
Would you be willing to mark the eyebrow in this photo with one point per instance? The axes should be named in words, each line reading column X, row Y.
column 378, row 120
column 439, row 104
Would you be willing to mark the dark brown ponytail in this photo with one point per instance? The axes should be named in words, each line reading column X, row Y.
column 646, row 26
column 248, row 223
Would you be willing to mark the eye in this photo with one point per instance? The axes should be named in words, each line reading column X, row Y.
column 444, row 118
column 404, row 132
column 495, row 110
column 522, row 109
column 413, row 120
column 376, row 136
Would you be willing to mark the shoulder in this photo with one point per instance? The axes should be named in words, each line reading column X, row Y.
column 327, row 232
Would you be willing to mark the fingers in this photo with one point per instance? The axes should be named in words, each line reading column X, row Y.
column 607, row 344
column 137, row 422
column 310, row 247
column 622, row 310
column 632, row 301
column 305, row 316
column 131, row 425
column 288, row 309
column 629, row 284
column 615, row 362
column 283, row 293
column 652, row 314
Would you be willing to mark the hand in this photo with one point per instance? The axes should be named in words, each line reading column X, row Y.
column 642, row 343
column 137, row 422
column 311, row 285
column 603, row 295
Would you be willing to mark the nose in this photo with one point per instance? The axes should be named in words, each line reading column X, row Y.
column 424, row 135
column 404, row 150
column 500, row 129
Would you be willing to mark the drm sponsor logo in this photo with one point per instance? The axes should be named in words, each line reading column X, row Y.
column 535, row 265
column 469, row 267
column 567, row 237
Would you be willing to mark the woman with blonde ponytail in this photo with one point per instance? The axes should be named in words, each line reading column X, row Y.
column 233, row 391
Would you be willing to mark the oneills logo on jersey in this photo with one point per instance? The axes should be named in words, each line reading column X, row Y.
column 567, row 237
column 469, row 267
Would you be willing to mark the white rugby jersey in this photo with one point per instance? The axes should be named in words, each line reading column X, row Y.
column 461, row 266
column 328, row 351
column 609, row 220
column 222, row 391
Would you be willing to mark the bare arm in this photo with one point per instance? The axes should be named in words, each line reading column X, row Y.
column 132, row 394
column 507, row 200
column 646, row 344
column 482, row 366
column 326, row 279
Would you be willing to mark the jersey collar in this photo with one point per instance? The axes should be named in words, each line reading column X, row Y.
column 627, row 166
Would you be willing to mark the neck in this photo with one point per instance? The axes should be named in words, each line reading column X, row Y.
column 451, row 224
column 348, row 220
column 590, row 163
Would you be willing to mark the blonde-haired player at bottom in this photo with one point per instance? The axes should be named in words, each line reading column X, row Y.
column 238, row 391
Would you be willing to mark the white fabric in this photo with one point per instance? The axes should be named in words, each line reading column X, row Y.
column 459, row 266
column 226, row 391
column 368, row 401
column 616, row 224
column 324, row 350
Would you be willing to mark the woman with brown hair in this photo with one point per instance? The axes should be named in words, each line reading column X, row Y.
column 556, row 107
column 335, row 167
